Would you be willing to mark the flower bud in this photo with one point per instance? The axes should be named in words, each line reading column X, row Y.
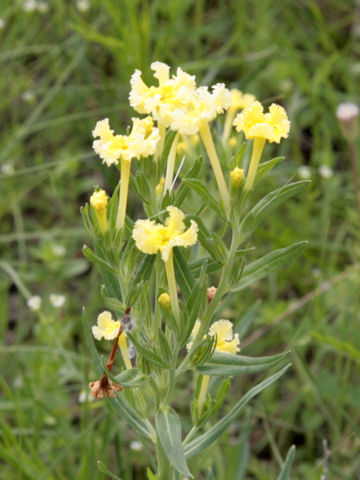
column 236, row 176
column 164, row 300
column 160, row 187
column 99, row 201
column 232, row 142
column 347, row 114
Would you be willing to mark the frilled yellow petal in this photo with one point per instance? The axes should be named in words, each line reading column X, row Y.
column 138, row 93
column 106, row 327
column 141, row 142
column 226, row 342
column 161, row 71
column 271, row 126
column 175, row 221
column 99, row 200
column 239, row 100
column 151, row 237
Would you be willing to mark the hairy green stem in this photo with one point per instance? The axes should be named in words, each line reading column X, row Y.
column 124, row 189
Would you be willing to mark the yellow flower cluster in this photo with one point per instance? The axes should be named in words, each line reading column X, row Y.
column 151, row 237
column 272, row 126
column 141, row 142
column 226, row 341
column 176, row 102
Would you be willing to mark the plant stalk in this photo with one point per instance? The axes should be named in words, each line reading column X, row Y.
column 124, row 189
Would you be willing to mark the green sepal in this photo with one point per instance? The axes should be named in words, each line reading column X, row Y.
column 203, row 351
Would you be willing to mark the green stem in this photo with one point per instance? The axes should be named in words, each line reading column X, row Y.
column 230, row 114
column 124, row 189
column 170, row 167
column 170, row 275
column 258, row 146
column 207, row 139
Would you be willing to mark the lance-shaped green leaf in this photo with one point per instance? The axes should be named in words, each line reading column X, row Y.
column 266, row 167
column 285, row 471
column 150, row 355
column 121, row 407
column 183, row 273
column 216, row 430
column 267, row 204
column 90, row 255
column 213, row 245
column 227, row 364
column 183, row 190
column 112, row 303
column 168, row 427
column 269, row 263
column 104, row 469
column 130, row 378
column 199, row 187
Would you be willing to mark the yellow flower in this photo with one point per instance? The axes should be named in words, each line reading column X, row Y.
column 141, row 142
column 272, row 126
column 163, row 99
column 106, row 327
column 240, row 100
column 99, row 201
column 176, row 102
column 164, row 300
column 236, row 175
column 226, row 341
column 151, row 237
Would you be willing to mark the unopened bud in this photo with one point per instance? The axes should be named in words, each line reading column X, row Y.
column 236, row 176
column 160, row 187
column 99, row 201
column 232, row 142
column 164, row 300
column 347, row 114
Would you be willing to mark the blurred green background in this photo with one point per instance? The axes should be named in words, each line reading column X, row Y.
column 67, row 64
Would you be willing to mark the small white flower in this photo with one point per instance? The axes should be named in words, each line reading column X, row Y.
column 136, row 445
column 85, row 396
column 58, row 250
column 34, row 303
column 325, row 171
column 43, row 7
column 7, row 168
column 56, row 300
column 30, row 5
column 83, row 5
column 2, row 23
column 347, row 111
column 304, row 172
column 28, row 96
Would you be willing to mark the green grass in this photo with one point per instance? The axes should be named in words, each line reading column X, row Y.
column 75, row 68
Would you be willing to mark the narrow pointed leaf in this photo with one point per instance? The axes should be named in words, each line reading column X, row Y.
column 267, row 204
column 266, row 167
column 199, row 187
column 269, row 263
column 183, row 273
column 216, row 430
column 285, row 471
column 168, row 427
